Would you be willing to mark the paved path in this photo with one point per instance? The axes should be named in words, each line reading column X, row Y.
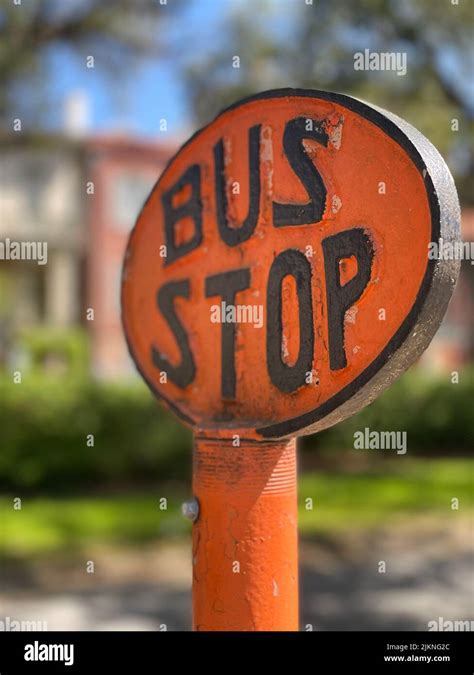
column 428, row 575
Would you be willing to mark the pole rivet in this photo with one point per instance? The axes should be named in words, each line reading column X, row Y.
column 190, row 509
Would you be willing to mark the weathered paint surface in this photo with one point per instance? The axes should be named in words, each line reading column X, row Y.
column 239, row 199
column 245, row 558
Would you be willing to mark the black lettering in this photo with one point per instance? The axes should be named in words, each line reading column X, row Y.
column 227, row 285
column 192, row 208
column 288, row 378
column 346, row 244
column 183, row 374
column 311, row 212
column 233, row 236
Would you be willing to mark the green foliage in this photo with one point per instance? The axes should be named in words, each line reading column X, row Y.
column 56, row 348
column 64, row 524
column 45, row 423
column 386, row 493
column 418, row 491
column 435, row 413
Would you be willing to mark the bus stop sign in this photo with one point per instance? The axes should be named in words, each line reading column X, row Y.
column 278, row 279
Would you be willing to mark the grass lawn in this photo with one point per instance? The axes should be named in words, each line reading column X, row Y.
column 409, row 488
column 393, row 491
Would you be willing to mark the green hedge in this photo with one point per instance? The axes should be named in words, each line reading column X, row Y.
column 437, row 415
column 44, row 423
column 44, row 426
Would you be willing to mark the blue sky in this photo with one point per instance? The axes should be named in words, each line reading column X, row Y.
column 156, row 91
column 153, row 92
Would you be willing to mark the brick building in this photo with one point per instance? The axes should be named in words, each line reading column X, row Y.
column 81, row 196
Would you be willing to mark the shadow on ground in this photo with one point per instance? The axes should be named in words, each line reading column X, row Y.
column 384, row 583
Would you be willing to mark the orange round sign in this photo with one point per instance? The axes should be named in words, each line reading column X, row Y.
column 278, row 277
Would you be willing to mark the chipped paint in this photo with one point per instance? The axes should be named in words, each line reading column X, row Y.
column 336, row 204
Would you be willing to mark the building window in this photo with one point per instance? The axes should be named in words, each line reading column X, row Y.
column 130, row 191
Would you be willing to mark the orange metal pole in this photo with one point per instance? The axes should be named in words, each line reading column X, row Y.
column 245, row 547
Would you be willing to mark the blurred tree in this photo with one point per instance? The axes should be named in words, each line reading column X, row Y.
column 115, row 32
column 313, row 46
